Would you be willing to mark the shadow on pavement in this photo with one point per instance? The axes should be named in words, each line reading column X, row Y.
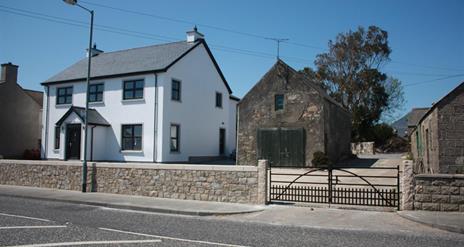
column 357, row 163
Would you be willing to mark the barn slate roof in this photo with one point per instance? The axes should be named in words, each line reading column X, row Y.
column 304, row 79
column 415, row 115
column 459, row 89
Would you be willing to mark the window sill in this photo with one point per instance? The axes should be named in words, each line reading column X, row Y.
column 131, row 151
column 97, row 103
column 56, row 150
column 63, row 105
column 174, row 152
column 132, row 101
column 177, row 101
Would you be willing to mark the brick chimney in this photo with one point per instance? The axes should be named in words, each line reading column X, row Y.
column 9, row 73
column 194, row 35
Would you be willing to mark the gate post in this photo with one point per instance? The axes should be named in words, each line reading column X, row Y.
column 262, row 181
column 407, row 186
column 329, row 173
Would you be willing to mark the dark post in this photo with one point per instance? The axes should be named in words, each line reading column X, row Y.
column 398, row 186
column 330, row 181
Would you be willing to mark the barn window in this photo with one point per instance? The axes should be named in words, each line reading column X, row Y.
column 279, row 102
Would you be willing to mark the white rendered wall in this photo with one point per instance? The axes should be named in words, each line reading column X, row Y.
column 116, row 112
column 197, row 114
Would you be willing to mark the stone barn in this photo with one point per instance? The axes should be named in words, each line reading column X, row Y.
column 286, row 117
column 437, row 142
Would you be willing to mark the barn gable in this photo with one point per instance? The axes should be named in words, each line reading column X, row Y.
column 306, row 109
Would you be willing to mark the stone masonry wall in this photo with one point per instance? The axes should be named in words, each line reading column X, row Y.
column 439, row 192
column 362, row 148
column 451, row 132
column 195, row 182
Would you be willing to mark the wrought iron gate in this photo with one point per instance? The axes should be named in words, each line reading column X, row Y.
column 347, row 185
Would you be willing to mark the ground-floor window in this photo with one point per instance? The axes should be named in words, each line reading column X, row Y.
column 175, row 131
column 57, row 137
column 132, row 137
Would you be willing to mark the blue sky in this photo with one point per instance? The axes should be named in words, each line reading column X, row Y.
column 426, row 36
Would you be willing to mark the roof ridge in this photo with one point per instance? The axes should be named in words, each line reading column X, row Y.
column 147, row 46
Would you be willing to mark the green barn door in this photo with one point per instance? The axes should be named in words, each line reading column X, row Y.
column 283, row 147
column 292, row 147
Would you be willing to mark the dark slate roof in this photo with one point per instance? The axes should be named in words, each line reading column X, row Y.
column 303, row 79
column 415, row 115
column 458, row 90
column 35, row 95
column 149, row 58
column 155, row 58
column 94, row 117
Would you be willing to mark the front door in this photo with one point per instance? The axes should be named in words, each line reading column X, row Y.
column 222, row 141
column 73, row 141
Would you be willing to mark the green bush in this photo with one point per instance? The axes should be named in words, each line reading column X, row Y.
column 320, row 159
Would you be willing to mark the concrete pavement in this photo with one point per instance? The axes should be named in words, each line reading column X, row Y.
column 141, row 203
column 50, row 223
column 449, row 221
column 323, row 217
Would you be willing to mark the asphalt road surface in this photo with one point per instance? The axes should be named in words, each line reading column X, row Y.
column 30, row 222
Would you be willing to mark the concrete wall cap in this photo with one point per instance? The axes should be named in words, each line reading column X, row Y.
column 155, row 166
column 439, row 176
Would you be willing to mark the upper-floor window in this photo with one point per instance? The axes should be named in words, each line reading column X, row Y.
column 219, row 100
column 64, row 95
column 279, row 102
column 132, row 137
column 175, row 90
column 133, row 89
column 96, row 92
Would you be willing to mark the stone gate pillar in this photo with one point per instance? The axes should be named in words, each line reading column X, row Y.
column 407, row 186
column 262, row 181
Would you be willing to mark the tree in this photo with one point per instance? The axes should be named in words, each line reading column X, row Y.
column 351, row 73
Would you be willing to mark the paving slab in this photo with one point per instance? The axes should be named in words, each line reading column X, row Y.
column 449, row 221
column 151, row 204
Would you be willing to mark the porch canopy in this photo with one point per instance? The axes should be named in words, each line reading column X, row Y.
column 94, row 117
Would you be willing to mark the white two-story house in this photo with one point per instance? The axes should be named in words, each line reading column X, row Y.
column 160, row 103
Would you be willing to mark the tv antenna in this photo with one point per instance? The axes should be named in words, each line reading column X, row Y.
column 278, row 41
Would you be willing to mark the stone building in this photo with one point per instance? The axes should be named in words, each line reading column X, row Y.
column 21, row 111
column 286, row 117
column 437, row 142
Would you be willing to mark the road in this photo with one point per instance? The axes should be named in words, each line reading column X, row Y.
column 30, row 222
